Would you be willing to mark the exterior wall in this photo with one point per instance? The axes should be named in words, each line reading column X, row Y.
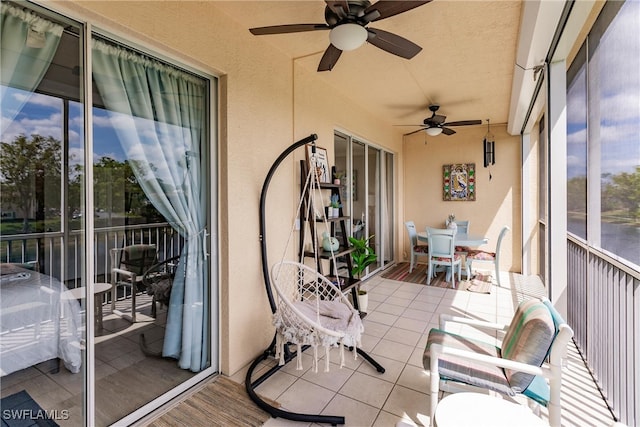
column 497, row 200
column 267, row 102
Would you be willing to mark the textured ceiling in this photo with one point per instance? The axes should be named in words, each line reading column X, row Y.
column 466, row 64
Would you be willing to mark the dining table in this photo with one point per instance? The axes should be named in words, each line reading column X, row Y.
column 461, row 239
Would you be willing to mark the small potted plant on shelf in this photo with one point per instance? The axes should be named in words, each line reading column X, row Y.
column 363, row 255
column 335, row 206
column 337, row 176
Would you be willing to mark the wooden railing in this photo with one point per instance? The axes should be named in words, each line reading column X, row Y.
column 604, row 311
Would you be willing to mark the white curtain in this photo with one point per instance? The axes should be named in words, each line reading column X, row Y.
column 159, row 114
column 27, row 46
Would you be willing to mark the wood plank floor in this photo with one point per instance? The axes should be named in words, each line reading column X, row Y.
column 221, row 402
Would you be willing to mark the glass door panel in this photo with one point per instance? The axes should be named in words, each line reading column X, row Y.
column 43, row 306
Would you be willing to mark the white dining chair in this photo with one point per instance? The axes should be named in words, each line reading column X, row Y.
column 442, row 251
column 486, row 256
column 416, row 249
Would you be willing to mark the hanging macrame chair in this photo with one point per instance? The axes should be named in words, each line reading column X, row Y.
column 309, row 309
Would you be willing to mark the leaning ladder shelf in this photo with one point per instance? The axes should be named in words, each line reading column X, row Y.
column 347, row 282
column 250, row 382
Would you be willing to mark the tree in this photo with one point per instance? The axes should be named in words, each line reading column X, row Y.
column 625, row 191
column 30, row 174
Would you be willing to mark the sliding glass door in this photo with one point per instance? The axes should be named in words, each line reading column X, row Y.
column 79, row 208
column 368, row 194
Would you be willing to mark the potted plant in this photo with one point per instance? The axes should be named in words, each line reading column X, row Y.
column 335, row 206
column 337, row 176
column 363, row 255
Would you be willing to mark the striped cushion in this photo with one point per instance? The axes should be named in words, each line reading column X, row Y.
column 466, row 371
column 527, row 340
column 421, row 248
column 481, row 255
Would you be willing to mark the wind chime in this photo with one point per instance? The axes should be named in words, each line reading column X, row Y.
column 489, row 145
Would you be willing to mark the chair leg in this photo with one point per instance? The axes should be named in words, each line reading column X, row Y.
column 429, row 272
column 411, row 266
column 468, row 267
column 435, row 388
column 497, row 273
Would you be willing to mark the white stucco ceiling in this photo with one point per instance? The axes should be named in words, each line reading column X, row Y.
column 466, row 65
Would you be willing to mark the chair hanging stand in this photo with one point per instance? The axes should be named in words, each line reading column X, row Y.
column 290, row 311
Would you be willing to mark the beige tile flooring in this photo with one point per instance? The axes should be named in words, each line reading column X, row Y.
column 400, row 317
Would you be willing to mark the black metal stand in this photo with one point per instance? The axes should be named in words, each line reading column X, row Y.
column 250, row 384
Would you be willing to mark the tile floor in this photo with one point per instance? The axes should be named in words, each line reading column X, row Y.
column 396, row 327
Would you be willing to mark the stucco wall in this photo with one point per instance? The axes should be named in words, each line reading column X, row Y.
column 267, row 102
column 497, row 200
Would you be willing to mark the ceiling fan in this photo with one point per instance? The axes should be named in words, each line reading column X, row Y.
column 435, row 125
column 347, row 21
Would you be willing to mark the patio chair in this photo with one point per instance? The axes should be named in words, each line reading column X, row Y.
column 416, row 249
column 129, row 264
column 442, row 252
column 485, row 256
column 528, row 361
column 158, row 280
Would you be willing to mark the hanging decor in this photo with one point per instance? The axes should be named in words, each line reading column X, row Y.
column 489, row 146
column 459, row 182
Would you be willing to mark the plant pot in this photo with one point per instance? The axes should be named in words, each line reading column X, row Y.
column 363, row 302
column 336, row 181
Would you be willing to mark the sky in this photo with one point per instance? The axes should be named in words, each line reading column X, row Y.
column 614, row 74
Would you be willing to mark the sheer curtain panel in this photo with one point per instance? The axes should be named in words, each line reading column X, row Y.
column 159, row 113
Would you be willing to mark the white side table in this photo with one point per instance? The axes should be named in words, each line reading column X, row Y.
column 99, row 289
column 477, row 409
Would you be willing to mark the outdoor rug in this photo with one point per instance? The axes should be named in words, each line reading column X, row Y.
column 480, row 283
column 21, row 410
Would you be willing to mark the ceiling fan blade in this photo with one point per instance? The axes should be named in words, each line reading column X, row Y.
column 437, row 119
column 388, row 8
column 464, row 123
column 448, row 131
column 288, row 28
column 393, row 43
column 329, row 59
column 339, row 7
column 415, row 131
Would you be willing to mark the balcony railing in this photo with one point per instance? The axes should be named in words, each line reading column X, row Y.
column 604, row 312
column 56, row 252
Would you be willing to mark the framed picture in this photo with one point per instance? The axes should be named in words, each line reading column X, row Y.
column 459, row 182
column 319, row 162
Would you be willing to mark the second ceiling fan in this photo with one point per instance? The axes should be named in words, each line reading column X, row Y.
column 435, row 125
column 347, row 21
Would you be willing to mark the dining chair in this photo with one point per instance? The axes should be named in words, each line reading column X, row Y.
column 463, row 226
column 416, row 249
column 485, row 256
column 527, row 362
column 128, row 267
column 442, row 251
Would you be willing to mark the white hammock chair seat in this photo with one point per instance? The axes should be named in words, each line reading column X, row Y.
column 312, row 311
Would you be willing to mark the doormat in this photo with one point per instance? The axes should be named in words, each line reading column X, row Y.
column 480, row 283
column 20, row 409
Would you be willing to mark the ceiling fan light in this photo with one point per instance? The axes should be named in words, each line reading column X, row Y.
column 348, row 36
column 434, row 131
